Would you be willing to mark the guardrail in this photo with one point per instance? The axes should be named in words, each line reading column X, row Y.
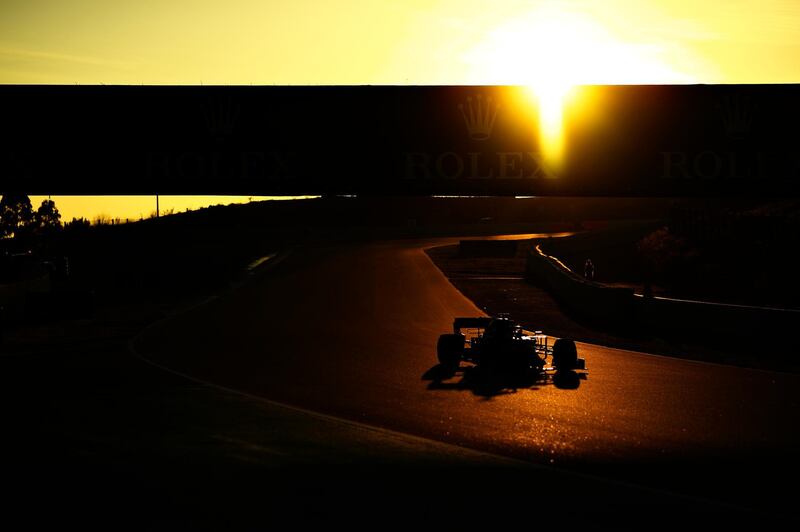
column 620, row 307
column 581, row 296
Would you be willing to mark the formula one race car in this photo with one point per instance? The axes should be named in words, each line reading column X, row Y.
column 501, row 346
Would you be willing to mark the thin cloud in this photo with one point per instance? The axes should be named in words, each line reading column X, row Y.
column 10, row 52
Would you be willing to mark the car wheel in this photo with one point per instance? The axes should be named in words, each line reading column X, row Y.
column 565, row 354
column 450, row 349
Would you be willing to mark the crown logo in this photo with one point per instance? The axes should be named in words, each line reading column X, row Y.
column 737, row 115
column 479, row 117
column 221, row 115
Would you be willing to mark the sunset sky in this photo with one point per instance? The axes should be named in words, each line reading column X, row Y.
column 133, row 208
column 398, row 42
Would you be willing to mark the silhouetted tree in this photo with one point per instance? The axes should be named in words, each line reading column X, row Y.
column 78, row 224
column 16, row 215
column 76, row 228
column 47, row 219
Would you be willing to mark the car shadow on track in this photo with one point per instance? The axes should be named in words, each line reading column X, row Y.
column 487, row 384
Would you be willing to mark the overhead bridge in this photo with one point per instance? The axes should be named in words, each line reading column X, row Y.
column 691, row 140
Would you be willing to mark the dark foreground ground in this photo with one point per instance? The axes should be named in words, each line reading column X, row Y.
column 99, row 438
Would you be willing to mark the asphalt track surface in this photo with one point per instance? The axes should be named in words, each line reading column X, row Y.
column 350, row 330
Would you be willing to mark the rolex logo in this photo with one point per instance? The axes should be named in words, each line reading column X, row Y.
column 479, row 115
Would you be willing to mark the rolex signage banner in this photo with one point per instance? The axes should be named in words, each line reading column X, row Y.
column 692, row 140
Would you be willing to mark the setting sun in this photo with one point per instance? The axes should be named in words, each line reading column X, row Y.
column 552, row 49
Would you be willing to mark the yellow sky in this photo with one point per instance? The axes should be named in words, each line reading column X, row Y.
column 405, row 42
column 132, row 208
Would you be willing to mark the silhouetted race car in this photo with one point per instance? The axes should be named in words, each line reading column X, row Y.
column 498, row 344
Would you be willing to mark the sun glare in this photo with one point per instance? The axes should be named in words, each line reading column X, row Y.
column 551, row 50
column 550, row 101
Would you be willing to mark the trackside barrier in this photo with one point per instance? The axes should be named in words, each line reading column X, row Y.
column 586, row 298
column 621, row 307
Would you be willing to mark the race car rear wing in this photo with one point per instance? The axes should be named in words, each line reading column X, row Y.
column 470, row 323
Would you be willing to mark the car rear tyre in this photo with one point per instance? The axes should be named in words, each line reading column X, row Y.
column 565, row 354
column 450, row 349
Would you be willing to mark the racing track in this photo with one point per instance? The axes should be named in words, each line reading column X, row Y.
column 351, row 330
